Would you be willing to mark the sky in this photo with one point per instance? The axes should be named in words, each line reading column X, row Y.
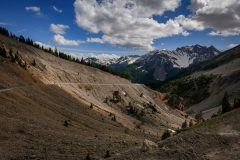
column 123, row 27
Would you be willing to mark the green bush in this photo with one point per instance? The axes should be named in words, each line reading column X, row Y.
column 138, row 113
column 116, row 97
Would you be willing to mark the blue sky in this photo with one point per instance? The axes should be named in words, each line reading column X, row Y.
column 22, row 19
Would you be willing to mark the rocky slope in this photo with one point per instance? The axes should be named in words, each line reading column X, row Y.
column 55, row 109
column 215, row 139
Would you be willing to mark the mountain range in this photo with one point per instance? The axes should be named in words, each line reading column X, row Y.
column 158, row 65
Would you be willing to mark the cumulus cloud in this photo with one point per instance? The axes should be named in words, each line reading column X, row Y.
column 61, row 40
column 126, row 23
column 36, row 10
column 95, row 40
column 130, row 23
column 59, row 28
column 57, row 9
column 232, row 45
column 222, row 16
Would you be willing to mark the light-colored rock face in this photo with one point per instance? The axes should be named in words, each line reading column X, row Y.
column 102, row 111
column 94, row 87
column 148, row 145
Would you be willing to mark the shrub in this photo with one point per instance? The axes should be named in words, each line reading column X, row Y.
column 152, row 106
column 88, row 157
column 114, row 118
column 191, row 123
column 105, row 100
column 107, row 155
column 136, row 112
column 178, row 131
column 65, row 123
column 126, row 131
column 91, row 106
column 226, row 107
column 116, row 97
column 166, row 134
column 184, row 125
column 199, row 117
column 131, row 109
column 34, row 63
column 236, row 103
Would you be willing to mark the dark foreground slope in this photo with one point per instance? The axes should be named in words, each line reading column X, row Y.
column 215, row 139
column 51, row 108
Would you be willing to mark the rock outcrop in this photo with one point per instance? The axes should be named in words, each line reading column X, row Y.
column 175, row 101
column 148, row 145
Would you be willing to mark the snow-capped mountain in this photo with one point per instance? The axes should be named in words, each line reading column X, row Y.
column 103, row 59
column 185, row 56
column 124, row 61
column 159, row 65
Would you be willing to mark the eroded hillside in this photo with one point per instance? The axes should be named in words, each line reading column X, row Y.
column 55, row 109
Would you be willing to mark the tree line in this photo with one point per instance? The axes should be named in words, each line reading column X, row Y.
column 60, row 54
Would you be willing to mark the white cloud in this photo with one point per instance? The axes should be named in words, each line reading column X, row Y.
column 188, row 23
column 57, row 9
column 126, row 23
column 130, row 23
column 58, row 28
column 95, row 40
column 232, row 45
column 59, row 39
column 222, row 16
column 36, row 10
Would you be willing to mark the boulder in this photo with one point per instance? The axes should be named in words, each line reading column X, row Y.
column 148, row 145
